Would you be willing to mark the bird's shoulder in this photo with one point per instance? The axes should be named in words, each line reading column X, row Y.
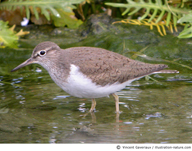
column 92, row 56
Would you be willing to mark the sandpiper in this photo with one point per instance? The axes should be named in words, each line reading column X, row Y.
column 90, row 72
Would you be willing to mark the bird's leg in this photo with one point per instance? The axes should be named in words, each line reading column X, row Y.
column 91, row 111
column 116, row 102
column 93, row 105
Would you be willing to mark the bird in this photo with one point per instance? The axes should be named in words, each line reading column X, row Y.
column 90, row 72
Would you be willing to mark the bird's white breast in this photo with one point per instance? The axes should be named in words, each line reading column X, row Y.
column 78, row 85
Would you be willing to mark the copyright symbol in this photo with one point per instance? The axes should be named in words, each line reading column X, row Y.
column 118, row 146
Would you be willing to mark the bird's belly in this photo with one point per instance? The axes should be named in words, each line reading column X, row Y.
column 91, row 90
column 78, row 85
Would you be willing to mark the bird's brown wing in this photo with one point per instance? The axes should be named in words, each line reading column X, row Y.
column 106, row 67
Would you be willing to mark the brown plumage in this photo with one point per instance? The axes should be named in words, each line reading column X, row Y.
column 106, row 67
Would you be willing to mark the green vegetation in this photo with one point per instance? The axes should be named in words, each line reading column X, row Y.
column 8, row 37
column 161, row 14
column 58, row 8
column 59, row 11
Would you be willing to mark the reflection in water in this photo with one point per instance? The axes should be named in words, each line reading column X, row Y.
column 93, row 117
column 90, row 132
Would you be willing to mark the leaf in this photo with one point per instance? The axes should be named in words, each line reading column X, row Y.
column 156, row 10
column 46, row 6
column 160, row 16
column 186, row 18
column 8, row 37
column 168, row 18
column 162, row 12
column 66, row 18
column 22, row 33
column 187, row 32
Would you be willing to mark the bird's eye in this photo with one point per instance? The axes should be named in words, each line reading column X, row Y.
column 42, row 53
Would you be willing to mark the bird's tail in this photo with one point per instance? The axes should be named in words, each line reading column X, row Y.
column 167, row 71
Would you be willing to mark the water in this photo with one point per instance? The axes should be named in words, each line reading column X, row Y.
column 41, row 112
column 33, row 109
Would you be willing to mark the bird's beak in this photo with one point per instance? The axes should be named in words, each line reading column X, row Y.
column 27, row 62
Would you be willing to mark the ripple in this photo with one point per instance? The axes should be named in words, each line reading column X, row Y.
column 60, row 97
